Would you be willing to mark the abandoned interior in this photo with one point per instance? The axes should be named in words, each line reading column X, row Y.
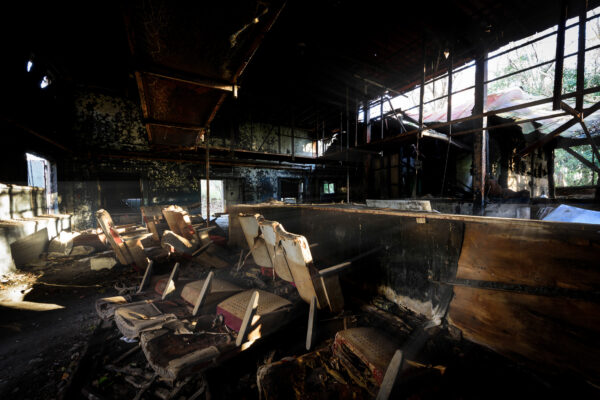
column 270, row 199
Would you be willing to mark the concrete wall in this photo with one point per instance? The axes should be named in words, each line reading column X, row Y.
column 22, row 214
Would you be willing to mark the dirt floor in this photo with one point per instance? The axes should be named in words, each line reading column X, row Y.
column 46, row 319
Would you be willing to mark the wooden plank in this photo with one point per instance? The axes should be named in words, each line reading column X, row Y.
column 534, row 255
column 552, row 332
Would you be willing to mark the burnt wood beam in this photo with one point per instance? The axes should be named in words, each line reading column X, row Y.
column 575, row 114
column 547, row 138
column 582, row 159
column 480, row 141
column 581, row 55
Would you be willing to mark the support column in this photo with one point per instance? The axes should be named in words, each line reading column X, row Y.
column 480, row 139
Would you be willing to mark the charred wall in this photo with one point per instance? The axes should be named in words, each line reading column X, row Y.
column 105, row 124
column 419, row 252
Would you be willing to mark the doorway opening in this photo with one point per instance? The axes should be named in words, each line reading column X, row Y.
column 291, row 190
column 217, row 197
column 41, row 173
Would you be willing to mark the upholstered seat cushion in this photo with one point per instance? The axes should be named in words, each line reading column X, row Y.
column 234, row 308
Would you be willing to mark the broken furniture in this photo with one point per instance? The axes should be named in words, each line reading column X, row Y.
column 182, row 236
column 246, row 317
column 151, row 288
column 155, row 221
column 270, row 235
column 128, row 248
column 255, row 240
column 179, row 300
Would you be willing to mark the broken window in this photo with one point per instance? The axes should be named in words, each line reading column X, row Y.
column 41, row 173
column 328, row 188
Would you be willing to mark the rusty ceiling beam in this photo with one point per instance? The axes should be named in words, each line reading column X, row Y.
column 178, row 125
column 190, row 79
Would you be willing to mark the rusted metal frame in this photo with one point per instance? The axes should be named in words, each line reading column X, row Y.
column 396, row 115
column 254, row 46
column 249, row 55
column 560, row 57
column 448, row 119
column 381, row 115
column 420, row 132
column 575, row 114
column 520, row 71
column 341, row 130
column 34, row 133
column 441, row 136
column 191, row 80
column 547, row 138
column 266, row 137
column 142, row 93
column 379, row 85
column 480, row 142
column 582, row 159
column 492, row 113
column 293, row 138
column 206, row 140
column 178, row 125
column 240, row 163
column 356, row 110
column 581, row 56
column 431, row 101
column 347, row 146
column 523, row 45
column 508, row 124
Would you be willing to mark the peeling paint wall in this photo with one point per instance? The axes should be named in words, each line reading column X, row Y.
column 109, row 122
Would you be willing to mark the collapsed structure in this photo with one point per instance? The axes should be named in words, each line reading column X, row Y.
column 302, row 200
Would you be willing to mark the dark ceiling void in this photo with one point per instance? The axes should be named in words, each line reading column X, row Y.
column 298, row 63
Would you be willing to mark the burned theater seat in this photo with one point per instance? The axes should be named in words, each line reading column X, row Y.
column 269, row 230
column 255, row 240
column 182, row 236
column 248, row 316
column 364, row 349
column 155, row 221
column 126, row 242
column 150, row 289
column 179, row 300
